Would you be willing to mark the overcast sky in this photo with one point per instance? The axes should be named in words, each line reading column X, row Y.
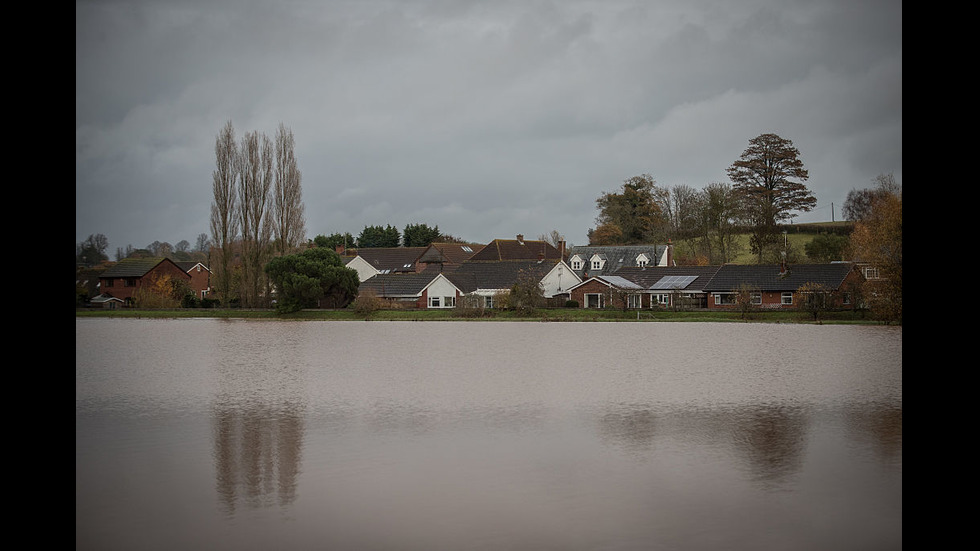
column 485, row 118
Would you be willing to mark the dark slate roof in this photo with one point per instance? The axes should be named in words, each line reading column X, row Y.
column 730, row 277
column 390, row 259
column 649, row 277
column 132, row 267
column 616, row 257
column 517, row 249
column 397, row 285
column 471, row 275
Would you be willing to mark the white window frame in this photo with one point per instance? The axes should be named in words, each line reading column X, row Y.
column 434, row 302
column 755, row 298
column 786, row 298
column 724, row 299
column 634, row 300
column 586, row 300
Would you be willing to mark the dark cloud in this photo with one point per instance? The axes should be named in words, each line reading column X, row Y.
column 487, row 119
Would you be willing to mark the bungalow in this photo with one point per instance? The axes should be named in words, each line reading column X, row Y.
column 425, row 290
column 774, row 286
column 123, row 279
column 488, row 279
column 604, row 260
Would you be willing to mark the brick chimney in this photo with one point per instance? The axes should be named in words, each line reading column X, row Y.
column 670, row 252
column 520, row 238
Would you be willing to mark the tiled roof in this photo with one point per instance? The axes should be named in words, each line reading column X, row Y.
column 397, row 285
column 449, row 253
column 517, row 249
column 616, row 257
column 188, row 265
column 769, row 277
column 132, row 267
column 650, row 276
column 474, row 275
column 391, row 259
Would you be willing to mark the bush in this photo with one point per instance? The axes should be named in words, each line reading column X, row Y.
column 571, row 304
column 366, row 302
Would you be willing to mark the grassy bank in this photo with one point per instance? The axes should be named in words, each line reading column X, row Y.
column 542, row 314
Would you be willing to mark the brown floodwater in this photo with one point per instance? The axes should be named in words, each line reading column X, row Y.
column 237, row 434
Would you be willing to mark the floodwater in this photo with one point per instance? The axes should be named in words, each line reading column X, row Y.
column 236, row 434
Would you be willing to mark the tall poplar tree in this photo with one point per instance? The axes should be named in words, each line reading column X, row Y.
column 224, row 210
column 287, row 207
column 255, row 162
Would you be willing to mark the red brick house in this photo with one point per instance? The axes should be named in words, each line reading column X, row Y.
column 127, row 276
column 775, row 286
column 200, row 277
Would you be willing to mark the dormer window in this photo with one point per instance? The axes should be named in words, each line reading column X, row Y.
column 596, row 264
column 576, row 263
column 642, row 260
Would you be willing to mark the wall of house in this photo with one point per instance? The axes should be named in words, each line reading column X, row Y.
column 611, row 297
column 559, row 280
column 120, row 290
column 441, row 287
column 363, row 268
column 200, row 280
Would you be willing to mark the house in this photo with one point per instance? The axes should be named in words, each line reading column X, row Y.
column 774, row 286
column 646, row 287
column 603, row 260
column 416, row 290
column 517, row 249
column 488, row 279
column 371, row 261
column 123, row 279
column 200, row 277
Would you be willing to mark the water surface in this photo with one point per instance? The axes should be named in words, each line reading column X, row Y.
column 247, row 434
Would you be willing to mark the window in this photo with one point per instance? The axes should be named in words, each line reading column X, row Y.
column 787, row 298
column 724, row 298
column 434, row 302
column 488, row 301
column 593, row 300
column 663, row 298
column 596, row 264
column 129, row 282
column 755, row 298
column 642, row 261
column 576, row 264
column 870, row 272
column 449, row 302
column 108, row 283
column 847, row 297
column 634, row 301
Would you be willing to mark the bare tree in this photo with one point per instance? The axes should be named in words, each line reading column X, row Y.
column 289, row 221
column 554, row 238
column 255, row 162
column 224, row 209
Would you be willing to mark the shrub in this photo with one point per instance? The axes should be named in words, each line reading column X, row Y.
column 571, row 304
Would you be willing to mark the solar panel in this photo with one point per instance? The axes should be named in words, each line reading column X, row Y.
column 674, row 282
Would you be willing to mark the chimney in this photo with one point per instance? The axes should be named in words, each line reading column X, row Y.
column 561, row 249
column 670, row 252
column 520, row 238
